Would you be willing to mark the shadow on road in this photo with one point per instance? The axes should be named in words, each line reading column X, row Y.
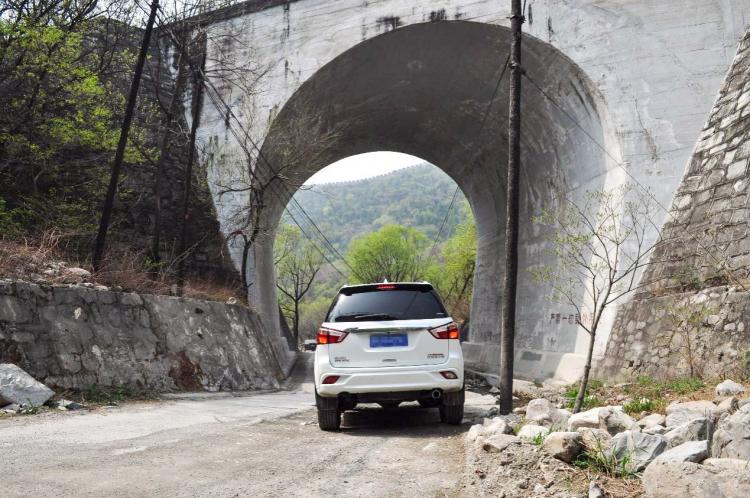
column 407, row 420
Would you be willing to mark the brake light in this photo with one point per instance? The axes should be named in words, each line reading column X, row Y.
column 330, row 336
column 386, row 287
column 447, row 331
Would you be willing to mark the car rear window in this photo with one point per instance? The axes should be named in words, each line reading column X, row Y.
column 396, row 304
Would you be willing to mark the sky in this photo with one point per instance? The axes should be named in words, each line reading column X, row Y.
column 363, row 166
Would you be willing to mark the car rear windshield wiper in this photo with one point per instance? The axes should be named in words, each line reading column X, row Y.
column 363, row 316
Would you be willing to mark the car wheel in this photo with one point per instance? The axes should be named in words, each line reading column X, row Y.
column 329, row 420
column 429, row 403
column 452, row 408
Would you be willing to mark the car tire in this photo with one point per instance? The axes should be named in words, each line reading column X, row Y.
column 329, row 420
column 452, row 407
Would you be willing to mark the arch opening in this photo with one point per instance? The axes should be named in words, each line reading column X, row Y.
column 426, row 90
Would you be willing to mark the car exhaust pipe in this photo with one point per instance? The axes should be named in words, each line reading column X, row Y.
column 436, row 394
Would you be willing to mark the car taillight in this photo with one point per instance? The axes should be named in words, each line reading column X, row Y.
column 330, row 336
column 386, row 287
column 447, row 331
column 331, row 379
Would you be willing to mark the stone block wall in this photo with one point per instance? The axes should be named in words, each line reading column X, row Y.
column 704, row 246
column 75, row 337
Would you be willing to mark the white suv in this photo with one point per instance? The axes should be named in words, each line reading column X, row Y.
column 388, row 343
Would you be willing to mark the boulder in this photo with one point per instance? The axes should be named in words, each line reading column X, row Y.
column 652, row 420
column 565, row 446
column 475, row 432
column 16, row 386
column 679, row 413
column 637, row 448
column 542, row 412
column 499, row 442
column 694, row 430
column 614, row 421
column 691, row 451
column 728, row 405
column 728, row 463
column 589, row 418
column 594, row 439
column 657, row 429
column 497, row 425
column 687, row 479
column 732, row 437
column 595, row 491
column 530, row 432
column 729, row 388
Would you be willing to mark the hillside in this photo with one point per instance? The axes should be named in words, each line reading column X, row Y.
column 416, row 197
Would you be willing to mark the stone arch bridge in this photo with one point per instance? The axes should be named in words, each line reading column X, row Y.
column 337, row 78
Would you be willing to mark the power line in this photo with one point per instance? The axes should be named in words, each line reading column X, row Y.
column 630, row 175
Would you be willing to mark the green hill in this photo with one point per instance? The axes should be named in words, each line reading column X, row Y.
column 416, row 197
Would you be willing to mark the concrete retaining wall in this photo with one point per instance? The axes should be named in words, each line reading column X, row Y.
column 75, row 337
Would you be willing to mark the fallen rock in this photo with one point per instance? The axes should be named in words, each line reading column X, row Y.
column 499, row 442
column 497, row 425
column 652, row 420
column 637, row 448
column 691, row 451
column 65, row 404
column 77, row 273
column 11, row 408
column 729, row 405
column 16, row 386
column 615, row 421
column 657, row 429
column 565, row 446
column 729, row 388
column 728, row 463
column 595, row 491
column 594, row 439
column 679, row 413
column 732, row 438
column 530, row 432
column 475, row 432
column 542, row 412
column 694, row 430
column 589, row 418
column 687, row 479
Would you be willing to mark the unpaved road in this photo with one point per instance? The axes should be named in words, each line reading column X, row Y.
column 212, row 445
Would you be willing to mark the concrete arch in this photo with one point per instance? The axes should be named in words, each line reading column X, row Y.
column 425, row 90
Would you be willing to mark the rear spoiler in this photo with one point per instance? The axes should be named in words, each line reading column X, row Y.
column 414, row 286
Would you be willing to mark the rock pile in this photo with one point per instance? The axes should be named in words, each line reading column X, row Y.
column 699, row 448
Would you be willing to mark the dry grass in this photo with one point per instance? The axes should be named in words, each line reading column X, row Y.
column 42, row 260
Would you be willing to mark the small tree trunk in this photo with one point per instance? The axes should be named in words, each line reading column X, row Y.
column 114, row 179
column 296, row 321
column 586, row 370
column 198, row 104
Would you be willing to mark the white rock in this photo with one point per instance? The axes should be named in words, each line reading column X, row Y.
column 542, row 412
column 637, row 448
column 652, row 420
column 594, row 439
column 78, row 272
column 694, row 430
column 679, row 413
column 499, row 442
column 732, row 438
column 728, row 463
column 728, row 405
column 615, row 421
column 656, row 429
column 475, row 432
column 16, row 386
column 589, row 418
column 497, row 425
column 687, row 480
column 729, row 388
column 565, row 446
column 530, row 432
column 691, row 451
column 595, row 491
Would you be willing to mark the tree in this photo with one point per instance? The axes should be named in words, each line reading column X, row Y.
column 394, row 253
column 297, row 264
column 454, row 274
column 600, row 248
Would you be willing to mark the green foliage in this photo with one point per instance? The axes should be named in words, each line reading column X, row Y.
column 589, row 401
column 103, row 395
column 601, row 459
column 8, row 226
column 394, row 253
column 538, row 439
column 639, row 405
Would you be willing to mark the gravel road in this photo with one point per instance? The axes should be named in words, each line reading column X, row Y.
column 264, row 444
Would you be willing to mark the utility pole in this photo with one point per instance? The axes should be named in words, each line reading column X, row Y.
column 124, row 131
column 511, row 213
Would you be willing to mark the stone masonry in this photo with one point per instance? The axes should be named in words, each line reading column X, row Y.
column 75, row 337
column 702, row 263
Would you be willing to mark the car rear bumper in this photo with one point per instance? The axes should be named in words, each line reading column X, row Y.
column 390, row 379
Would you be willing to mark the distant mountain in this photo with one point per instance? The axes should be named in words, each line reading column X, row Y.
column 416, row 197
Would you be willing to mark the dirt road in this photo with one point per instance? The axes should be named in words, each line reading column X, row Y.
column 212, row 445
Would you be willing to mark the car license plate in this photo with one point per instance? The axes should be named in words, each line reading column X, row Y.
column 388, row 341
